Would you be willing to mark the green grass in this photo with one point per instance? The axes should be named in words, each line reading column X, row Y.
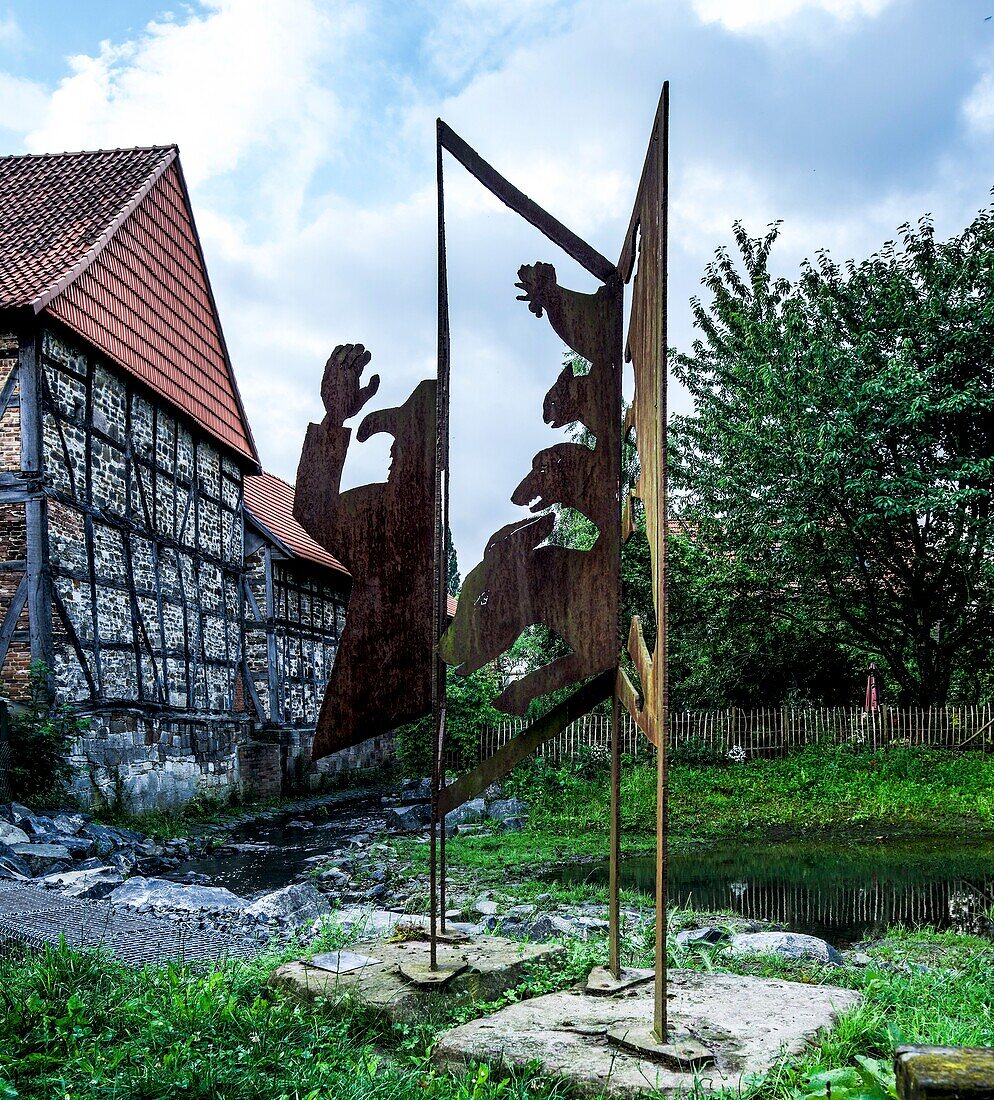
column 80, row 1026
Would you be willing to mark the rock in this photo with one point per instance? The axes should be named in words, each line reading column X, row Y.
column 371, row 922
column 193, row 878
column 41, row 858
column 408, row 819
column 123, row 859
column 94, row 883
column 68, row 824
column 295, row 905
column 469, row 828
column 19, row 813
column 585, row 927
column 298, row 826
column 512, row 824
column 475, row 810
column 13, row 867
column 412, row 789
column 788, row 945
column 104, row 841
column 335, row 876
column 11, row 834
column 79, row 846
column 158, row 893
column 504, row 809
column 702, row 937
column 519, row 912
column 858, row 958
column 549, row 927
column 486, row 908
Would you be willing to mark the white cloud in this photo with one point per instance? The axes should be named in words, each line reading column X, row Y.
column 238, row 78
column 978, row 107
column 24, row 103
column 752, row 16
column 10, row 30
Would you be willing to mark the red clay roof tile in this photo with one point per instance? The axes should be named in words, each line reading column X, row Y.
column 106, row 242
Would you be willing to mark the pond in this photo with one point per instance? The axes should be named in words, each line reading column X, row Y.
column 844, row 892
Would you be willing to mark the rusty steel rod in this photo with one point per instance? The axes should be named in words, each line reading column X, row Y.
column 520, row 203
column 662, row 602
column 614, row 865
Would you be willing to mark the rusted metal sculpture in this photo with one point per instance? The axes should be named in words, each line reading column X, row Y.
column 392, row 537
column 522, row 581
column 384, row 534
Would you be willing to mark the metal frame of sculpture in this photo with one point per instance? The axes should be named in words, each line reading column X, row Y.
column 522, row 580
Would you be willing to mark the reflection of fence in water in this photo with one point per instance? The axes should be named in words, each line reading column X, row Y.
column 771, row 731
column 953, row 904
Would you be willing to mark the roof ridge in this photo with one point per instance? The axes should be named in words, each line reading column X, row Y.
column 69, row 277
column 92, row 152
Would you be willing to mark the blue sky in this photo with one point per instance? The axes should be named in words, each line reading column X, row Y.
column 306, row 130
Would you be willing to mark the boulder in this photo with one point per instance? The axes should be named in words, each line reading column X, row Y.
column 788, row 945
column 413, row 789
column 158, row 893
column 513, row 824
column 505, row 809
column 294, row 906
column 408, row 819
column 702, row 937
column 104, row 840
column 96, row 882
column 41, row 858
column 11, row 834
column 486, row 908
column 336, row 877
column 68, row 824
column 13, row 867
column 550, row 927
column 475, row 810
column 298, row 826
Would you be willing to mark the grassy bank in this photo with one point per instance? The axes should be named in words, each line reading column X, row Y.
column 84, row 1028
column 830, row 790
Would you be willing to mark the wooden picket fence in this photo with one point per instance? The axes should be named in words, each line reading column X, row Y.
column 770, row 731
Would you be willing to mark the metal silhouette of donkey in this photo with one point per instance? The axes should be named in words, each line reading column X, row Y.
column 521, row 582
column 384, row 535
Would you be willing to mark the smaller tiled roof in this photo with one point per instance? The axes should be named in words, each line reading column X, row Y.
column 269, row 500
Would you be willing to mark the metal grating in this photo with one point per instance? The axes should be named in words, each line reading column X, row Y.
column 35, row 917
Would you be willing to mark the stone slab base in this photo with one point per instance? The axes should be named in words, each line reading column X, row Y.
column 747, row 1023
column 386, row 975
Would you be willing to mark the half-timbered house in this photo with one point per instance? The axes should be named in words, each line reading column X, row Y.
column 149, row 566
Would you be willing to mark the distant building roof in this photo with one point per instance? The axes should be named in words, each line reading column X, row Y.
column 269, row 500
column 106, row 242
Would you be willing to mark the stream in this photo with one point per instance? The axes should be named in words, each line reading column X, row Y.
column 844, row 891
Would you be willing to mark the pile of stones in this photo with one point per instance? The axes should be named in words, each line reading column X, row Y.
column 411, row 811
column 83, row 857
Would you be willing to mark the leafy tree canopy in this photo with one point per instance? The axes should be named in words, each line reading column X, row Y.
column 838, row 467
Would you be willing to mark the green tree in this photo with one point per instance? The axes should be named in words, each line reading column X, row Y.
column 454, row 581
column 841, row 453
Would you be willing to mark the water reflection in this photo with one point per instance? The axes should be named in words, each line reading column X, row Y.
column 842, row 892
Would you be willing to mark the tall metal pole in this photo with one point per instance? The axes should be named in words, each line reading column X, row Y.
column 614, row 866
column 659, row 566
column 437, row 860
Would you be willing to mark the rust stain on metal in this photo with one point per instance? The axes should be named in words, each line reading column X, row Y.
column 383, row 534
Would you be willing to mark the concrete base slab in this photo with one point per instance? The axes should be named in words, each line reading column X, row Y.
column 746, row 1024
column 602, row 983
column 394, row 977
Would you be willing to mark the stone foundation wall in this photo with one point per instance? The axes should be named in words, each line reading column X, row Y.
column 127, row 758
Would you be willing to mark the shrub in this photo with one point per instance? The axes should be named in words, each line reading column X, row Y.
column 41, row 737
